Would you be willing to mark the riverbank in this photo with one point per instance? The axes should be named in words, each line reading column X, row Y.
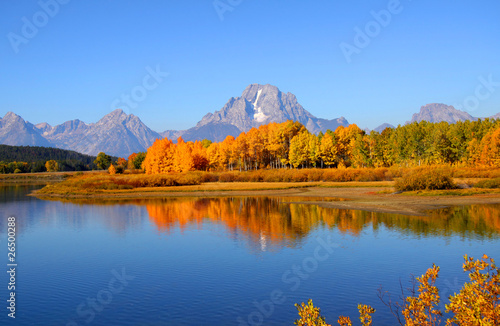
column 378, row 196
column 34, row 178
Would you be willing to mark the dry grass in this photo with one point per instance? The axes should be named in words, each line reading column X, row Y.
column 426, row 178
column 409, row 179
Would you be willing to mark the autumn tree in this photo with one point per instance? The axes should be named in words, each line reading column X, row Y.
column 112, row 169
column 328, row 150
column 160, row 157
column 130, row 161
column 135, row 160
column 103, row 161
column 199, row 156
column 490, row 148
column 183, row 160
column 478, row 302
column 52, row 166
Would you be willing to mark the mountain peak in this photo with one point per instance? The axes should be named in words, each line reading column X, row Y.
column 437, row 112
column 116, row 113
column 11, row 116
column 258, row 105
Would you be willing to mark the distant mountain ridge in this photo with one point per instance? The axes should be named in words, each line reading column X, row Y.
column 119, row 134
column 15, row 131
column 437, row 112
column 116, row 134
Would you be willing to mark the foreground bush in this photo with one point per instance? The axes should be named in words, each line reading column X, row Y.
column 122, row 182
column 425, row 179
column 489, row 184
column 477, row 303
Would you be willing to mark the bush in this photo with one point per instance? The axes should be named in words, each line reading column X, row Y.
column 477, row 303
column 489, row 184
column 425, row 179
column 227, row 177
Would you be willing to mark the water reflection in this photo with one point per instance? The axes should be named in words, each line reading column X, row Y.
column 282, row 222
column 271, row 222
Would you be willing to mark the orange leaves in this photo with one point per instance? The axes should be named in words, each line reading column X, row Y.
column 490, row 148
column 422, row 310
column 310, row 315
column 365, row 314
column 478, row 303
column 164, row 156
column 160, row 157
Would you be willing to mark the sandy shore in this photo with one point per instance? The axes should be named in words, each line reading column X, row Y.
column 368, row 196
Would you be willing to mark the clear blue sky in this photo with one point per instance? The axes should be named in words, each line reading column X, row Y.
column 81, row 60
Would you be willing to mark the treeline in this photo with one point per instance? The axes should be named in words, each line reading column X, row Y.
column 291, row 145
column 25, row 159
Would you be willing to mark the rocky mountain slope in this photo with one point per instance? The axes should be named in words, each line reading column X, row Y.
column 117, row 134
column 437, row 112
column 15, row 131
column 258, row 105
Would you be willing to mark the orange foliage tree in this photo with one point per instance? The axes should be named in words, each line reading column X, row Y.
column 290, row 144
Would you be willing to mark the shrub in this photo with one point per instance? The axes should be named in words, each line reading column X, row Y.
column 227, row 177
column 112, row 169
column 477, row 303
column 424, row 179
column 489, row 184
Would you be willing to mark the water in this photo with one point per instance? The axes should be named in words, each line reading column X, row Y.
column 220, row 261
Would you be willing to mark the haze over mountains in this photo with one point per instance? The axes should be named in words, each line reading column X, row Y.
column 119, row 134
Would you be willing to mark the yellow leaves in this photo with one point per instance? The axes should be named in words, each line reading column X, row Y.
column 164, row 156
column 478, row 302
column 344, row 321
column 112, row 169
column 52, row 166
column 489, row 148
column 310, row 315
column 421, row 310
column 365, row 314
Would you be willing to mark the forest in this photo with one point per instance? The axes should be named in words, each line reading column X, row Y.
column 25, row 159
column 291, row 145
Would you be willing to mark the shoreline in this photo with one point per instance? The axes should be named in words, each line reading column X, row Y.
column 367, row 196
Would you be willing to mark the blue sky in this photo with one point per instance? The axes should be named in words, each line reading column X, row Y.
column 82, row 57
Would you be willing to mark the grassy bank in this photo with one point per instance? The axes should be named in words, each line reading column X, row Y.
column 416, row 183
column 35, row 178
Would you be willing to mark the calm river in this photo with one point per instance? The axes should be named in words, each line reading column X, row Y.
column 223, row 261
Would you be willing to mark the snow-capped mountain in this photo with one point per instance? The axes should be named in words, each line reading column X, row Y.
column 258, row 105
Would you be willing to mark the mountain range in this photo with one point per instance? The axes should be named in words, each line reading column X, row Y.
column 119, row 134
